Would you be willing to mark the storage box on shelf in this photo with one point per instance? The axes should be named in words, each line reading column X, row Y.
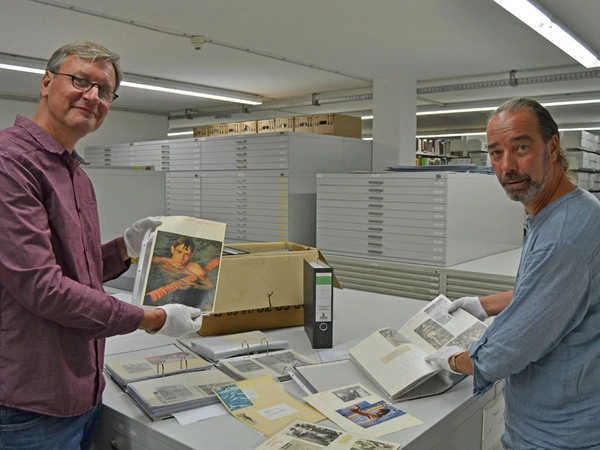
column 303, row 124
column 248, row 127
column 580, row 140
column 201, row 131
column 265, row 126
column 338, row 125
column 284, row 124
column 218, row 129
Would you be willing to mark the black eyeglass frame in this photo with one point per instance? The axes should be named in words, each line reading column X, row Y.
column 102, row 91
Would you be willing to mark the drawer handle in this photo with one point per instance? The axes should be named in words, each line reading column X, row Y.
column 374, row 205
column 375, row 237
column 376, row 198
column 375, row 221
column 379, row 252
column 375, row 190
column 375, row 213
column 375, row 228
column 375, row 181
column 241, row 167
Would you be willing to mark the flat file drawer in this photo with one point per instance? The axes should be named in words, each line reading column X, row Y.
column 379, row 246
column 394, row 226
column 374, row 207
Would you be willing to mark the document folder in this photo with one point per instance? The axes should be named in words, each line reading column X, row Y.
column 318, row 304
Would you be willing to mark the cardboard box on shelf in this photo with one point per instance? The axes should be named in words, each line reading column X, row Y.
column 201, row 131
column 284, row 124
column 248, row 127
column 303, row 124
column 218, row 129
column 265, row 126
column 233, row 128
column 261, row 289
column 338, row 125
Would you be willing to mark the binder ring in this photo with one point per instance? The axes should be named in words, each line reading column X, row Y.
column 247, row 346
column 267, row 342
column 160, row 364
column 184, row 358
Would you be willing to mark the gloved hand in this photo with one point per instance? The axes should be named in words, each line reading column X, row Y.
column 472, row 305
column 442, row 356
column 134, row 235
column 181, row 320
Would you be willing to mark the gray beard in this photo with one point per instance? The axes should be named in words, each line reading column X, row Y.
column 532, row 188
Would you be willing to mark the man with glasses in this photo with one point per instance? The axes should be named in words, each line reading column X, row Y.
column 54, row 313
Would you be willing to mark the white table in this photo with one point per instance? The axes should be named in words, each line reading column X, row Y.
column 452, row 421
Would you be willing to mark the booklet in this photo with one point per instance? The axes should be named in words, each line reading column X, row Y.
column 179, row 263
column 302, row 435
column 238, row 344
column 157, row 362
column 160, row 398
column 275, row 364
column 264, row 405
column 394, row 359
column 356, row 409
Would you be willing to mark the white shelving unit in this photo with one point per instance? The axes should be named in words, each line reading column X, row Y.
column 263, row 186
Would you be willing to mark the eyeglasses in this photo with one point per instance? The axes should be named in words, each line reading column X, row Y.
column 85, row 85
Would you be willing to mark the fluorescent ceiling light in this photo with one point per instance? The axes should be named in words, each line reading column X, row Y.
column 226, row 98
column 454, row 111
column 579, row 129
column 22, row 69
column 181, row 133
column 366, row 117
column 141, row 82
column 426, row 136
column 541, row 23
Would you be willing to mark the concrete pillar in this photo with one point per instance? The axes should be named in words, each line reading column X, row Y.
column 394, row 121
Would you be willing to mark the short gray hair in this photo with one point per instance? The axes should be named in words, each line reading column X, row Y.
column 86, row 50
column 547, row 125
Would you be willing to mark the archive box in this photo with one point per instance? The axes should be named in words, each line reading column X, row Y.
column 303, row 124
column 338, row 125
column 248, row 127
column 265, row 126
column 218, row 129
column 233, row 128
column 284, row 124
column 201, row 131
column 261, row 289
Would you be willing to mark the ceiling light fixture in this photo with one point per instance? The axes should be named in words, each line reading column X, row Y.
column 539, row 21
column 22, row 64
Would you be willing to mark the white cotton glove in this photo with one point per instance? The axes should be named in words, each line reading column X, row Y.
column 472, row 305
column 181, row 320
column 134, row 235
column 442, row 356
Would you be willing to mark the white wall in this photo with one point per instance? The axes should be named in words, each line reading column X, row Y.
column 119, row 127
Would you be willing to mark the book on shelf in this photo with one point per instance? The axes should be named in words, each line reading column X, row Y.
column 160, row 398
column 277, row 364
column 394, row 359
column 305, row 435
column 157, row 362
column 264, row 405
column 237, row 344
column 357, row 409
column 179, row 263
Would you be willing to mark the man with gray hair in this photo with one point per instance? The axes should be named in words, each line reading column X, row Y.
column 54, row 313
column 545, row 339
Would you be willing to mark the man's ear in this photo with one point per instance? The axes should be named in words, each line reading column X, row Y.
column 554, row 147
column 46, row 79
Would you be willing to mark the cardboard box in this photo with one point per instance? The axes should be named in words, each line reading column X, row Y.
column 233, row 128
column 284, row 124
column 201, row 131
column 303, row 124
column 338, row 125
column 248, row 127
column 265, row 126
column 262, row 289
column 218, row 129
